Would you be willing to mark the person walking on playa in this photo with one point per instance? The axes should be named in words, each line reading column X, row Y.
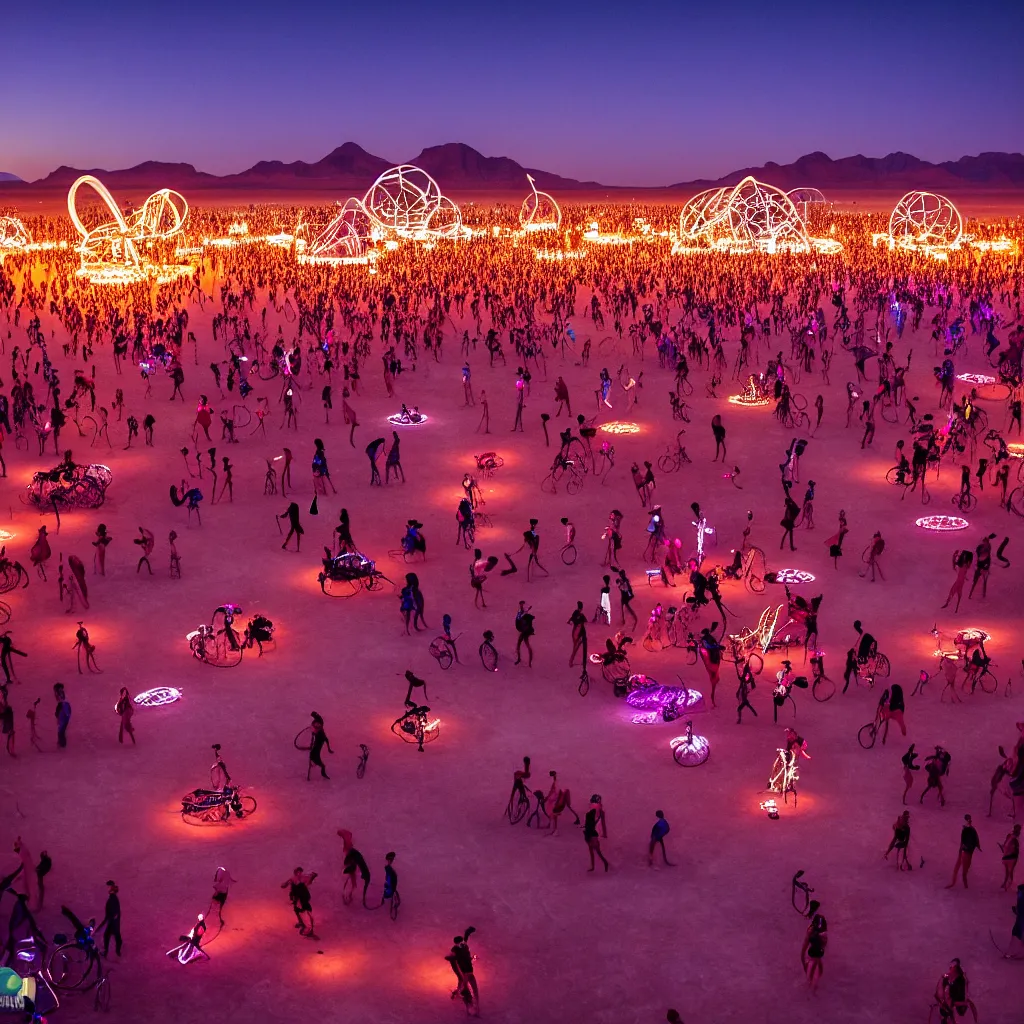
column 124, row 708
column 658, row 833
column 969, row 843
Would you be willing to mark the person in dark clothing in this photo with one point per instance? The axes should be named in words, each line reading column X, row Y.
column 291, row 513
column 524, row 627
column 42, row 870
column 316, row 747
column 62, row 713
column 354, row 862
column 372, row 452
column 969, row 843
column 7, row 648
column 111, row 923
column 850, row 671
column 390, row 880
column 464, row 962
column 298, row 892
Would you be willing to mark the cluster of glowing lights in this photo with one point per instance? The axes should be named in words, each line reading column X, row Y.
column 784, row 773
column 399, row 419
column 770, row 807
column 749, row 217
column 620, row 427
column 557, row 255
column 1015, row 449
column 792, row 577
column 157, row 697
column 763, row 632
column 14, row 234
column 753, row 395
column 942, row 524
column 6, row 535
column 923, row 222
column 652, row 695
column 977, row 379
column 110, row 251
column 539, row 211
column 972, row 636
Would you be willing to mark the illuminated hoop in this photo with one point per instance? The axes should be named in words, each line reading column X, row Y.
column 942, row 524
column 790, row 577
column 924, row 221
column 750, row 217
column 405, row 202
column 157, row 697
column 109, row 251
column 539, row 211
column 13, row 234
column 977, row 379
column 804, row 197
column 620, row 427
column 397, row 421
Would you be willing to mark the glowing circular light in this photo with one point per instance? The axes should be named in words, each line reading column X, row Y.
column 6, row 535
column 406, row 202
column 398, row 421
column 157, row 697
column 620, row 427
column 925, row 221
column 539, row 211
column 790, row 577
column 942, row 523
column 979, row 379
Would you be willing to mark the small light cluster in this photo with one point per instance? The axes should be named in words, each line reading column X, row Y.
column 942, row 524
column 791, row 577
column 620, row 427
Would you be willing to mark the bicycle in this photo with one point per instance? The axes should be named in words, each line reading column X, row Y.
column 784, row 775
column 415, row 727
column 867, row 734
column 517, row 809
column 568, row 554
column 965, row 501
column 822, row 687
column 672, row 461
column 72, row 965
column 443, row 650
column 560, row 469
column 488, row 653
column 804, row 899
column 689, row 751
column 363, row 758
column 214, row 648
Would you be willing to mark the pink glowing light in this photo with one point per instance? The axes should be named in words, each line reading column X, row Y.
column 942, row 524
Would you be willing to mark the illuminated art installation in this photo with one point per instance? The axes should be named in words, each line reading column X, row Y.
column 749, row 217
column 977, row 379
column 405, row 418
column 784, row 775
column 790, row 577
column 804, row 197
column 923, row 221
column 620, row 427
column 157, row 697
column 754, row 394
column 942, row 523
column 539, row 211
column 344, row 240
column 656, row 703
column 405, row 202
column 13, row 234
column 110, row 251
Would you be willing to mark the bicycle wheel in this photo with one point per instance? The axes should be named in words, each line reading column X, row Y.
column 584, row 685
column 549, row 485
column 574, row 484
column 396, row 902
column 756, row 583
column 218, row 776
column 248, row 806
column 569, row 554
column 666, row 464
column 988, row 682
column 823, row 689
column 102, row 1000
column 756, row 662
column 866, row 735
column 489, row 656
column 304, row 740
column 69, row 966
column 881, row 666
column 5, row 613
column 441, row 652
column 1015, row 502
column 692, row 754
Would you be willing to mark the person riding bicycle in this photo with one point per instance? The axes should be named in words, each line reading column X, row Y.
column 867, row 646
column 413, row 540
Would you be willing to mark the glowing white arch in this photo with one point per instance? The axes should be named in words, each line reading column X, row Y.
column 14, row 234
column 405, row 202
column 924, row 221
column 109, row 251
column 539, row 211
column 749, row 217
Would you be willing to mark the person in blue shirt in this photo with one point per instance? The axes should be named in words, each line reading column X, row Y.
column 658, row 833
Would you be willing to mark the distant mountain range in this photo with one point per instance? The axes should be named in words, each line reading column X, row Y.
column 460, row 168
column 7, row 176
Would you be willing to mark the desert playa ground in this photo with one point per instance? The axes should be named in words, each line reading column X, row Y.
column 714, row 934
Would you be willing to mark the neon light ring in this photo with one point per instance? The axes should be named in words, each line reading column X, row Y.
column 925, row 220
column 942, row 524
column 398, row 420
column 978, row 379
column 620, row 427
column 789, row 577
column 157, row 697
column 406, row 202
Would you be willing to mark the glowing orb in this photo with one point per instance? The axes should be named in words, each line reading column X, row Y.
column 790, row 577
column 979, row 379
column 398, row 420
column 157, row 697
column 942, row 523
column 925, row 220
column 620, row 427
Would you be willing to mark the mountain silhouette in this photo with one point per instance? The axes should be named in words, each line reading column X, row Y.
column 457, row 167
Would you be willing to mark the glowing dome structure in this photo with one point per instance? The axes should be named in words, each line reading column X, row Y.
column 749, row 217
column 539, row 211
column 13, row 234
column 804, row 197
column 110, row 250
column 406, row 203
column 923, row 221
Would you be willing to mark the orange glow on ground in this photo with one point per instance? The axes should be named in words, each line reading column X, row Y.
column 336, row 967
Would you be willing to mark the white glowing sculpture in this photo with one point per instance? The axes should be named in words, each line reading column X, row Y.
column 539, row 211
column 405, row 202
column 344, row 240
column 750, row 217
column 13, row 234
column 110, row 253
column 804, row 197
column 926, row 222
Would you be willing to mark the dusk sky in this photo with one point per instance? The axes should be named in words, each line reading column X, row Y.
column 644, row 94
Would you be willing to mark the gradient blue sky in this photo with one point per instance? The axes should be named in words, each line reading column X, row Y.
column 621, row 93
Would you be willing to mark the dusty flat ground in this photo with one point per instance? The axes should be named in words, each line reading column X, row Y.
column 714, row 935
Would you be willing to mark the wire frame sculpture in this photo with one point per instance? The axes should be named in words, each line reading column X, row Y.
column 345, row 238
column 804, row 197
column 110, row 251
column 539, row 211
column 406, row 203
column 749, row 217
column 13, row 234
column 925, row 220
